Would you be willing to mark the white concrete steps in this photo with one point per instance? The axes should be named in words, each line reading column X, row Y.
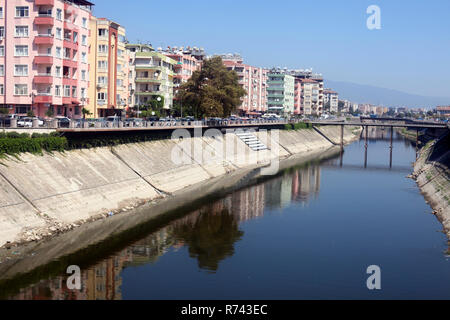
column 251, row 141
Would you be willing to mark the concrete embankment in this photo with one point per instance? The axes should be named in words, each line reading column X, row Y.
column 432, row 174
column 45, row 195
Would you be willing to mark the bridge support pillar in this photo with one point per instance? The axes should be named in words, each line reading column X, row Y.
column 366, row 145
column 417, row 143
column 391, row 147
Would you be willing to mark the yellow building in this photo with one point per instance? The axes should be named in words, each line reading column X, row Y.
column 108, row 72
column 152, row 75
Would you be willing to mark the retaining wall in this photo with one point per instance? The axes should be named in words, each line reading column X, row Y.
column 41, row 195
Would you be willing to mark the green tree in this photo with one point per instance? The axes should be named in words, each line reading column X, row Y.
column 213, row 91
column 49, row 113
column 30, row 113
column 4, row 111
column 85, row 112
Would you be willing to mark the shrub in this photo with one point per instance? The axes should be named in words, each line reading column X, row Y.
column 33, row 145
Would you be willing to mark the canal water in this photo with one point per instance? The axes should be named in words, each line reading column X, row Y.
column 308, row 233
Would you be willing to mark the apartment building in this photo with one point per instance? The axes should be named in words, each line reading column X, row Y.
column 280, row 92
column 43, row 56
column 186, row 64
column 108, row 74
column 309, row 98
column 254, row 82
column 331, row 100
column 153, row 75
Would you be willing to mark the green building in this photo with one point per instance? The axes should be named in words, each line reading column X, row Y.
column 280, row 93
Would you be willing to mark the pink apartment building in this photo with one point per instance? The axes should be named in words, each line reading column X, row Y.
column 44, row 56
column 253, row 80
column 185, row 66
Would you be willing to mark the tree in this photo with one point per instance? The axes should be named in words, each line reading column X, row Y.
column 49, row 113
column 30, row 113
column 4, row 111
column 85, row 112
column 213, row 91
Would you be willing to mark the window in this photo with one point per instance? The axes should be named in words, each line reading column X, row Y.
column 59, row 14
column 83, row 92
column 75, row 37
column 20, row 89
column 21, row 70
column 119, row 82
column 2, row 32
column 2, row 90
column 58, row 52
column 21, row 51
column 22, row 12
column 66, row 53
column 84, row 40
column 21, row 31
column 58, row 91
column 103, row 48
column 59, row 33
column 2, row 70
column 102, row 80
column 66, row 91
column 84, row 22
column 101, row 96
column 77, row 110
column 74, row 92
column 2, row 51
column 83, row 57
column 1, row 12
column 83, row 75
column 102, row 64
column 102, row 32
column 58, row 71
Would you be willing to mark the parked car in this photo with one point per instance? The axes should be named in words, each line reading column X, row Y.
column 5, row 120
column 63, row 122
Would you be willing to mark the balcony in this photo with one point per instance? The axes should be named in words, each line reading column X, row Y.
column 143, row 79
column 43, row 59
column 44, row 19
column 44, row 39
column 43, row 78
column 45, row 2
column 43, row 97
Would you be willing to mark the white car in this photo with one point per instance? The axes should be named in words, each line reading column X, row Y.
column 28, row 122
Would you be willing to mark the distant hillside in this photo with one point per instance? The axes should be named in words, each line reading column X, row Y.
column 381, row 96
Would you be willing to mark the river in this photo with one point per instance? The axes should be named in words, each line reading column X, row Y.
column 308, row 233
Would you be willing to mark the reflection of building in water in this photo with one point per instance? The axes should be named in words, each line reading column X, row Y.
column 248, row 203
column 285, row 190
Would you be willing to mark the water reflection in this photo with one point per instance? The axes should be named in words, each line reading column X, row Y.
column 209, row 234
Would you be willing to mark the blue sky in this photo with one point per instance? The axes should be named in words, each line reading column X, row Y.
column 410, row 53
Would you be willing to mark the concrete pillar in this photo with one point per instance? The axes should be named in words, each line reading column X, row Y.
column 120, row 124
column 54, row 123
column 35, row 123
column 13, row 123
column 72, row 124
column 98, row 124
column 85, row 124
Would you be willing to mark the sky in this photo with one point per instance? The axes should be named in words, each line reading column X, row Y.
column 410, row 53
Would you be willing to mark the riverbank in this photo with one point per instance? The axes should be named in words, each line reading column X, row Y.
column 432, row 174
column 46, row 195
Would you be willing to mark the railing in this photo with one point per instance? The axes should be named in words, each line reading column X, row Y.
column 170, row 124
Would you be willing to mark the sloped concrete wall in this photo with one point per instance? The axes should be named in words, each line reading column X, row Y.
column 41, row 192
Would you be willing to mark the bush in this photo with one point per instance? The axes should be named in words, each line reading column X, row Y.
column 33, row 145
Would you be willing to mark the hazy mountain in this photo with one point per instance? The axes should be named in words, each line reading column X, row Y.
column 381, row 96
